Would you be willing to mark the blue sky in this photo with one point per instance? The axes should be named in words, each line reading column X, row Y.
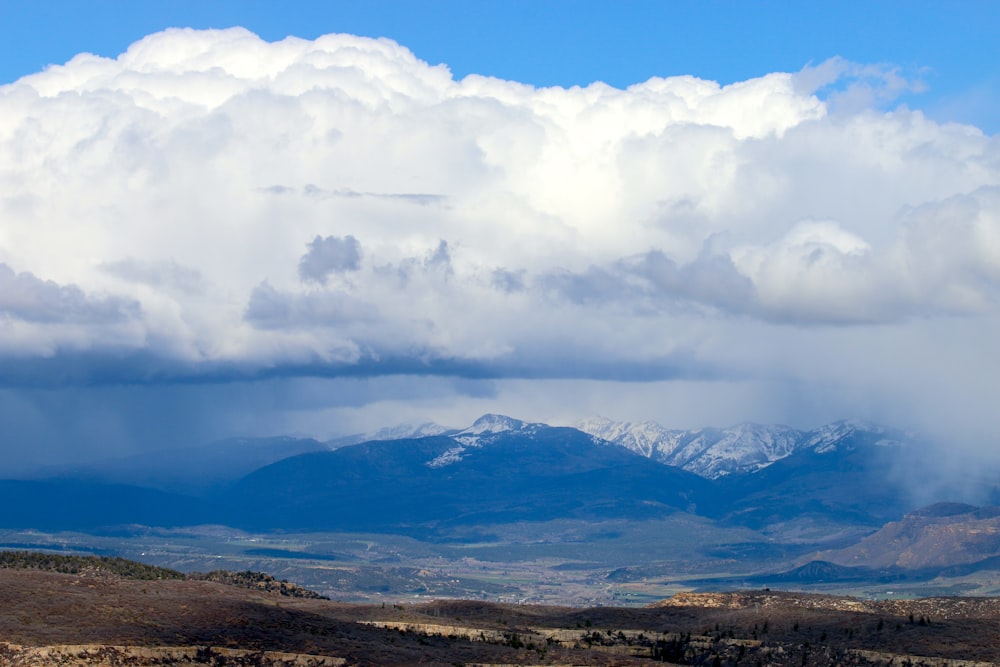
column 951, row 46
column 211, row 233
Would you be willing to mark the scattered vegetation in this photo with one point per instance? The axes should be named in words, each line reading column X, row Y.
column 130, row 569
column 257, row 581
column 93, row 565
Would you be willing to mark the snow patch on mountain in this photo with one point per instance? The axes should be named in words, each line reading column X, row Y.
column 453, row 455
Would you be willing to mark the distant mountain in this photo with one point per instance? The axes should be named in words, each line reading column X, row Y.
column 194, row 470
column 86, row 505
column 941, row 535
column 818, row 572
column 717, row 453
column 499, row 470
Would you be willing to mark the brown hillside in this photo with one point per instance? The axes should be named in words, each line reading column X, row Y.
column 49, row 618
column 933, row 537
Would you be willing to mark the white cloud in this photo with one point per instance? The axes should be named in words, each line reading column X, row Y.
column 338, row 206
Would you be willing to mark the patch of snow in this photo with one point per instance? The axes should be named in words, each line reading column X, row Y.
column 453, row 455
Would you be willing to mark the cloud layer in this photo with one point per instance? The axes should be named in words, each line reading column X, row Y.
column 222, row 207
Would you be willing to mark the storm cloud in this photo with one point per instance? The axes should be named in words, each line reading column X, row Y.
column 337, row 207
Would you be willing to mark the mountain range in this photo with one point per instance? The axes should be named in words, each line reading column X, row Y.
column 712, row 453
column 503, row 469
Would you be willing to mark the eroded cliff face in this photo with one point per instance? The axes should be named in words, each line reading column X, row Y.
column 940, row 608
column 98, row 655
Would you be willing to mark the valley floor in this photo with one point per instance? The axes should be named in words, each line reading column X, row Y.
column 610, row 563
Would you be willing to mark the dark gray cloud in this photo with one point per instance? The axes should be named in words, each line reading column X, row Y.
column 711, row 280
column 654, row 282
column 26, row 297
column 69, row 425
column 556, row 358
column 595, row 285
column 270, row 308
column 331, row 254
column 508, row 281
column 439, row 259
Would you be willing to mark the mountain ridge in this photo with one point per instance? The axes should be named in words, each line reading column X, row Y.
column 719, row 452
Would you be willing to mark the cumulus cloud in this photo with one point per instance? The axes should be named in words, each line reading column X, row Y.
column 329, row 255
column 850, row 87
column 674, row 229
column 28, row 298
column 654, row 283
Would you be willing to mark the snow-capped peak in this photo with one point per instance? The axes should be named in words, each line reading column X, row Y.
column 483, row 431
column 646, row 438
column 408, row 431
column 488, row 426
column 491, row 423
column 832, row 437
column 397, row 432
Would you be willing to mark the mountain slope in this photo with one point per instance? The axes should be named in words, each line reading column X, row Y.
column 482, row 475
column 848, row 475
column 194, row 470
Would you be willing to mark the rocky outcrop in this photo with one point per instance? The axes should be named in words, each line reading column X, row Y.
column 258, row 581
column 764, row 600
column 941, row 608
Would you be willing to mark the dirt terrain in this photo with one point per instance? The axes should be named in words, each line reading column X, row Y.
column 96, row 618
